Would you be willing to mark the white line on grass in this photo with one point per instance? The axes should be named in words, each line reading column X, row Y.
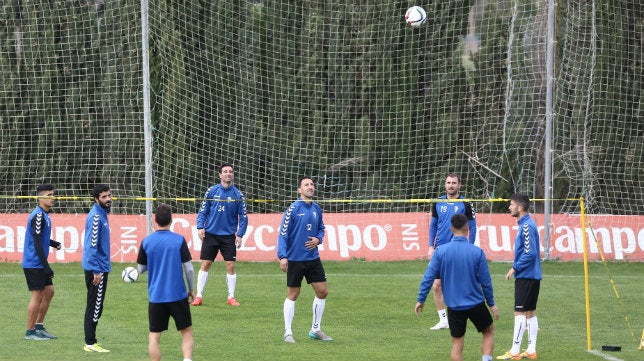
column 605, row 356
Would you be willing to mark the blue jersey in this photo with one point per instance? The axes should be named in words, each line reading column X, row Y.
column 164, row 252
column 527, row 256
column 37, row 236
column 223, row 211
column 301, row 220
column 96, row 246
column 442, row 212
column 464, row 274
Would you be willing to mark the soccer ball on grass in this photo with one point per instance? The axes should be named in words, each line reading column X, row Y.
column 129, row 275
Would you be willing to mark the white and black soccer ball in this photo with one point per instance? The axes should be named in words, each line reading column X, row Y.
column 129, row 275
column 415, row 16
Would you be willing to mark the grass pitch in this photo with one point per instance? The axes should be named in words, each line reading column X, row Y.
column 369, row 313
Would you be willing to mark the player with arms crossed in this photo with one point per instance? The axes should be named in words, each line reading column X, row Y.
column 221, row 222
column 440, row 233
column 37, row 271
column 162, row 254
column 526, row 270
column 465, row 275
column 301, row 232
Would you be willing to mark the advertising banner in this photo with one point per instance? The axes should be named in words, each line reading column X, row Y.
column 365, row 236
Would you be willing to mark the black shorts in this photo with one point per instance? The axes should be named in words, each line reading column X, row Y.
column 159, row 315
column 37, row 280
column 479, row 315
column 213, row 244
column 297, row 270
column 526, row 293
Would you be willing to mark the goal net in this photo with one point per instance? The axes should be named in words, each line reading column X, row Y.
column 346, row 93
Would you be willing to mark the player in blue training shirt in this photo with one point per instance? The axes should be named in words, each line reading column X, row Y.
column 465, row 276
column 301, row 232
column 37, row 271
column 96, row 263
column 526, row 270
column 440, row 233
column 221, row 222
column 162, row 254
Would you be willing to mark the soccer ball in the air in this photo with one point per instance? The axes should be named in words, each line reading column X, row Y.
column 130, row 274
column 415, row 16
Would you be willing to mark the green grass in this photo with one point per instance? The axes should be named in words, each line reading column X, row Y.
column 369, row 313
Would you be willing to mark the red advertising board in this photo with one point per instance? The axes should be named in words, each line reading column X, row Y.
column 368, row 236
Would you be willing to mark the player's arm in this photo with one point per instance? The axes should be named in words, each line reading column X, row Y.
column 426, row 285
column 37, row 228
column 202, row 214
column 55, row 244
column 243, row 217
column 142, row 260
column 471, row 221
column 433, row 230
column 321, row 228
column 188, row 269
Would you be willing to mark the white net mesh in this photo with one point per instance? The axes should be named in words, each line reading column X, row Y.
column 345, row 93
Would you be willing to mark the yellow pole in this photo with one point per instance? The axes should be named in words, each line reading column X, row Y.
column 585, row 244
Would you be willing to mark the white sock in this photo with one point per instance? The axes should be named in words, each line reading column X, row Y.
column 231, row 281
column 289, row 312
column 318, row 311
column 533, row 329
column 442, row 315
column 202, row 278
column 487, row 358
column 519, row 329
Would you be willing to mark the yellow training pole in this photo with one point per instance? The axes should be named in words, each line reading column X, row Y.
column 585, row 244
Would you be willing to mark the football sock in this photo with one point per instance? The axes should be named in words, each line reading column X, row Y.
column 202, row 278
column 519, row 329
column 442, row 315
column 533, row 329
column 487, row 358
column 289, row 312
column 318, row 311
column 231, row 281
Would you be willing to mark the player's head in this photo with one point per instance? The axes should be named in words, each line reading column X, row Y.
column 452, row 185
column 45, row 193
column 519, row 204
column 226, row 173
column 163, row 215
column 103, row 196
column 459, row 224
column 43, row 188
column 225, row 165
column 306, row 187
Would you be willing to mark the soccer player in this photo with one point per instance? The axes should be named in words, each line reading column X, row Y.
column 301, row 232
column 463, row 270
column 38, row 273
column 221, row 222
column 440, row 234
column 163, row 253
column 526, row 270
column 96, row 263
